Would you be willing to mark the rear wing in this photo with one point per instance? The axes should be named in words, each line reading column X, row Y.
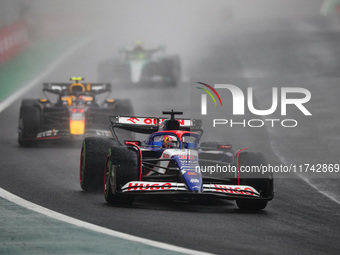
column 91, row 88
column 149, row 125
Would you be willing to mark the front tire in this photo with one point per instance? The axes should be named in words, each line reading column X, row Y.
column 249, row 204
column 110, row 186
column 263, row 183
column 122, row 167
column 29, row 122
column 93, row 156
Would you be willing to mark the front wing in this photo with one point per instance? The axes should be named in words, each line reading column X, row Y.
column 228, row 191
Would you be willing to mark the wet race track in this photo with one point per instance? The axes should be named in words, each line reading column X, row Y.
column 299, row 220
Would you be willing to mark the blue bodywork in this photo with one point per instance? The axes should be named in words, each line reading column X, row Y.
column 187, row 162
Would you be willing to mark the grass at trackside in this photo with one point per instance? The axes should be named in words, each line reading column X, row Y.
column 28, row 64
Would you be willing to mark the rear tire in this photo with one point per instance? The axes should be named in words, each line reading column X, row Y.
column 123, row 107
column 214, row 146
column 93, row 156
column 177, row 69
column 167, row 71
column 263, row 183
column 172, row 71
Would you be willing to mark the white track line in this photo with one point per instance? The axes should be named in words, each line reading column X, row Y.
column 82, row 224
column 315, row 187
column 16, row 95
column 302, row 177
column 286, row 162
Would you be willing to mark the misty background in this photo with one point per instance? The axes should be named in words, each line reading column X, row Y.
column 261, row 43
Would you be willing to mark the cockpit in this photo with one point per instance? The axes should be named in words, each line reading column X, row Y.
column 174, row 139
column 76, row 96
column 74, row 99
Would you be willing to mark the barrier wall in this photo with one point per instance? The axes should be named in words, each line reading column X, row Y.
column 13, row 40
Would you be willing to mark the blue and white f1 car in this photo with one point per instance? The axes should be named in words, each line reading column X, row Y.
column 171, row 162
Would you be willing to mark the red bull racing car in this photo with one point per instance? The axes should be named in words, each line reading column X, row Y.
column 75, row 113
column 173, row 162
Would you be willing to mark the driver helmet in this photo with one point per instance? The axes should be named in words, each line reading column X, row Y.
column 81, row 100
column 170, row 141
column 138, row 45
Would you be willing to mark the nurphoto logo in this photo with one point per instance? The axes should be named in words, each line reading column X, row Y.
column 239, row 100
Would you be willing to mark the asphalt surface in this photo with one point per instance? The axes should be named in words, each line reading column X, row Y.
column 299, row 220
